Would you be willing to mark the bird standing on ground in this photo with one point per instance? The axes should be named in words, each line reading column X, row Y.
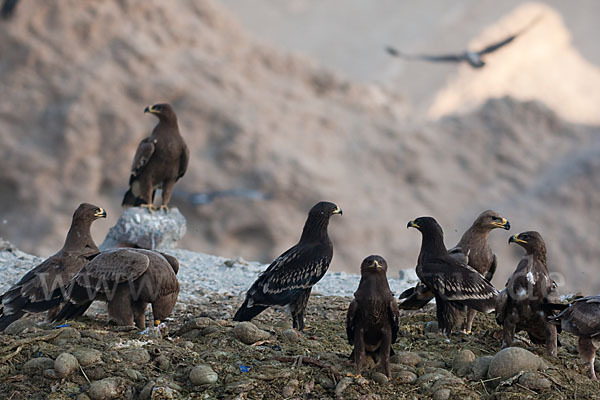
column 521, row 305
column 160, row 160
column 454, row 284
column 372, row 318
column 128, row 280
column 474, row 58
column 287, row 282
column 43, row 287
column 472, row 249
column 582, row 318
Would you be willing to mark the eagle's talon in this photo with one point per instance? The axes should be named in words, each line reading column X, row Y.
column 150, row 207
column 164, row 208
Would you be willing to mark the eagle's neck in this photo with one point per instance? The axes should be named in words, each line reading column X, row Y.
column 433, row 244
column 79, row 238
column 373, row 285
column 167, row 126
column 315, row 229
column 539, row 256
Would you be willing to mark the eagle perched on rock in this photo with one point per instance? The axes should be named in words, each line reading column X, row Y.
column 472, row 249
column 287, row 282
column 582, row 318
column 372, row 318
column 128, row 280
column 160, row 160
column 522, row 304
column 43, row 288
column 454, row 284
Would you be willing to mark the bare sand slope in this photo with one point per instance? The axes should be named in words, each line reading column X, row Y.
column 77, row 76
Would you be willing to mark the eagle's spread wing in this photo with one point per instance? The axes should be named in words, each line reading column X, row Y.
column 141, row 158
column 582, row 317
column 350, row 321
column 111, row 268
column 497, row 45
column 455, row 281
column 441, row 58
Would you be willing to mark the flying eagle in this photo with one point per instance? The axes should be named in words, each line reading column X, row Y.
column 582, row 318
column 160, row 160
column 454, row 284
column 474, row 58
column 372, row 318
column 521, row 305
column 128, row 280
column 43, row 288
column 472, row 249
column 287, row 282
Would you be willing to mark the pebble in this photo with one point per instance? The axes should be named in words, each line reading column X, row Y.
column 203, row 375
column 137, row 356
column 406, row 358
column 248, row 333
column 380, row 378
column 341, row 386
column 162, row 362
column 93, row 334
column 535, row 381
column 462, row 362
column 65, row 364
column 21, row 326
column 290, row 388
column 95, row 372
column 109, row 388
column 510, row 361
column 82, row 396
column 51, row 373
column 37, row 365
column 406, row 377
column 431, row 327
column 132, row 374
column 291, row 335
column 441, row 394
column 479, row 367
column 146, row 392
column 88, row 356
column 326, row 383
column 69, row 333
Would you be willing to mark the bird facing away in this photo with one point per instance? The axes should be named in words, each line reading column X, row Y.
column 520, row 305
column 160, row 160
column 473, row 249
column 582, row 318
column 372, row 318
column 287, row 282
column 128, row 280
column 474, row 58
column 43, row 287
column 454, row 284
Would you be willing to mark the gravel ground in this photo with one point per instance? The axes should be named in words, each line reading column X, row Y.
column 200, row 274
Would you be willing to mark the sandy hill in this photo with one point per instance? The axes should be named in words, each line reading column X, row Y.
column 76, row 77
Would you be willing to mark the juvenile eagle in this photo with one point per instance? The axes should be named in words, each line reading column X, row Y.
column 521, row 305
column 287, row 282
column 160, row 160
column 472, row 249
column 454, row 284
column 43, row 288
column 582, row 318
column 128, row 280
column 372, row 318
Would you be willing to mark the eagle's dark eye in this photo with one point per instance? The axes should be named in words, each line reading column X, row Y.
column 495, row 219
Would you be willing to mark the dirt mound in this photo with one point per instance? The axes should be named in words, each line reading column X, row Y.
column 77, row 77
column 111, row 363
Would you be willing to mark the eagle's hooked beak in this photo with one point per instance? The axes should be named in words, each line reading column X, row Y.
column 101, row 213
column 337, row 211
column 150, row 109
column 412, row 224
column 515, row 239
column 504, row 224
column 377, row 265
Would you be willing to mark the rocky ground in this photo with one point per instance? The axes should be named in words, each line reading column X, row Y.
column 207, row 356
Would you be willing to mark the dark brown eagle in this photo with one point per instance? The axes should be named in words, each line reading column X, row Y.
column 472, row 249
column 521, row 305
column 287, row 282
column 372, row 318
column 582, row 318
column 454, row 284
column 43, row 288
column 160, row 160
column 128, row 280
